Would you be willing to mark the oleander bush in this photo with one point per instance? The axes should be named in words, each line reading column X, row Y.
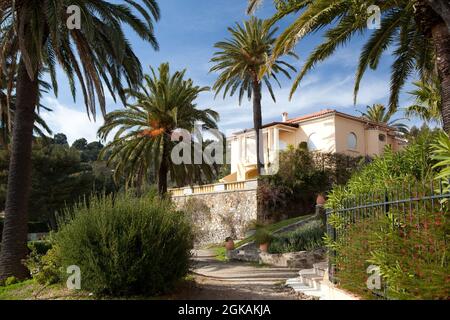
column 306, row 238
column 411, row 251
column 408, row 242
column 126, row 245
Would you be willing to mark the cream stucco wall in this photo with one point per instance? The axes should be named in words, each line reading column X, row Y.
column 324, row 132
column 344, row 127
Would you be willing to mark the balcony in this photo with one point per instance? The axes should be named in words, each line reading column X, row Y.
column 215, row 188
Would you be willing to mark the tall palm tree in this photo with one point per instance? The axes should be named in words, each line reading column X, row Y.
column 143, row 141
column 415, row 28
column 379, row 114
column 8, row 105
column 36, row 37
column 428, row 104
column 240, row 61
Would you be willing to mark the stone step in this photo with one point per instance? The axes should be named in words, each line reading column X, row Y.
column 299, row 286
column 312, row 280
column 321, row 268
column 306, row 271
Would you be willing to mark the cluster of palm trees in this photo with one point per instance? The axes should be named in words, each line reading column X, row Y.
column 35, row 40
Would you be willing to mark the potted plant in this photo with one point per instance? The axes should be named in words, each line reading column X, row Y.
column 263, row 238
column 320, row 200
column 251, row 228
column 229, row 244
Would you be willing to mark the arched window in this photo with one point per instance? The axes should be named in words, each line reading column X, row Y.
column 313, row 142
column 352, row 141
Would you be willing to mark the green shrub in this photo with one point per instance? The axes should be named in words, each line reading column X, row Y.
column 262, row 235
column 306, row 238
column 45, row 269
column 300, row 177
column 392, row 171
column 40, row 246
column 411, row 251
column 126, row 245
column 10, row 281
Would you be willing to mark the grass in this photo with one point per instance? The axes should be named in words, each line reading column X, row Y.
column 17, row 291
column 31, row 290
column 221, row 253
column 274, row 227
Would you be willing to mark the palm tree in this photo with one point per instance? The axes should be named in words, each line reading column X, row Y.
column 164, row 104
column 428, row 104
column 240, row 61
column 379, row 114
column 7, row 107
column 415, row 28
column 35, row 37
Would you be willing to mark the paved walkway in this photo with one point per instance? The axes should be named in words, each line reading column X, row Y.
column 238, row 280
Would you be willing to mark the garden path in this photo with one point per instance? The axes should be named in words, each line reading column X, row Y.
column 230, row 280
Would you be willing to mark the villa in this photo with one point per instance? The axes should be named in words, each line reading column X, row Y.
column 324, row 131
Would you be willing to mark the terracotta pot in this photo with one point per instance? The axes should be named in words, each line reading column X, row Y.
column 320, row 200
column 264, row 247
column 229, row 245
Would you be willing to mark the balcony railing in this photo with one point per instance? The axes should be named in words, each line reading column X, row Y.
column 215, row 188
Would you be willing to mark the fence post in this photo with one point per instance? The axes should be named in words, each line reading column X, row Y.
column 385, row 204
column 331, row 253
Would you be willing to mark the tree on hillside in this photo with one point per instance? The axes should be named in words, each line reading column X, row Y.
column 60, row 138
column 164, row 103
column 60, row 179
column 416, row 31
column 80, row 144
column 240, row 61
column 35, row 38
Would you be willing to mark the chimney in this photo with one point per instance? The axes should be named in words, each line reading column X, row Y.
column 284, row 116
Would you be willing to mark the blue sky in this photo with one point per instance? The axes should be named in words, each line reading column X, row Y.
column 186, row 34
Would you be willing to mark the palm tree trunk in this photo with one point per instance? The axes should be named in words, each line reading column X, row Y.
column 441, row 39
column 257, row 123
column 442, row 8
column 163, row 168
column 14, row 242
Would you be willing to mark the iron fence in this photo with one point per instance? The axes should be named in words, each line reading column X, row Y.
column 410, row 202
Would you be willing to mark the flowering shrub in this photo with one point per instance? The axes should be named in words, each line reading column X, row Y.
column 411, row 250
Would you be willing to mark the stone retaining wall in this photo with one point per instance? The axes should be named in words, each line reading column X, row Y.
column 301, row 259
column 220, row 214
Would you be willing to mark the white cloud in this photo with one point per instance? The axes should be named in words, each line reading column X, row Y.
column 73, row 123
column 315, row 93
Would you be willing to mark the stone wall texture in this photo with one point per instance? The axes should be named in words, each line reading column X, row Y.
column 219, row 215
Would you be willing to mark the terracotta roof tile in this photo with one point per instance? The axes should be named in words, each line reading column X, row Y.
column 311, row 115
